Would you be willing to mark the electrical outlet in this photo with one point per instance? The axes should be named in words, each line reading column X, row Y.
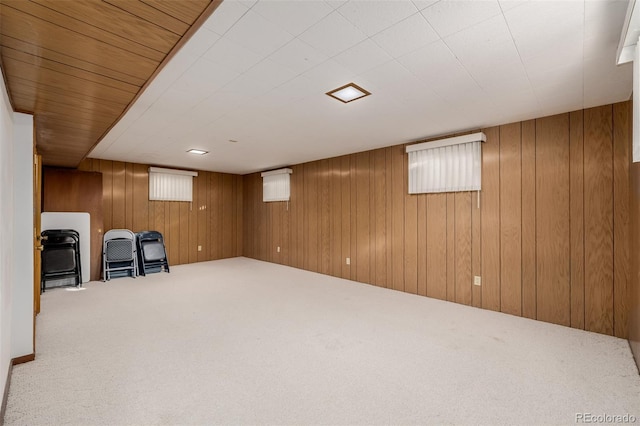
column 348, row 260
column 199, row 248
column 477, row 280
column 278, row 249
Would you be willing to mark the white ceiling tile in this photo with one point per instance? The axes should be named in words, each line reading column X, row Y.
column 542, row 70
column 233, row 56
column 436, row 66
column 179, row 64
column 225, row 16
column 298, row 56
column 603, row 78
column 510, row 4
column 329, row 75
column 297, row 88
column 333, row 35
column 174, row 99
column 362, row 57
column 257, row 34
column 204, row 76
column 508, row 74
column 208, row 110
column 201, row 41
column 423, row 4
column 260, row 79
column 487, row 52
column 248, row 3
column 568, row 93
column 391, row 77
column 371, row 17
column 450, row 16
column 293, row 16
column 599, row 33
column 537, row 27
column 485, row 45
column 406, row 36
column 336, row 4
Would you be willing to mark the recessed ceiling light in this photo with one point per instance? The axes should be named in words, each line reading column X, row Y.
column 348, row 92
column 197, row 152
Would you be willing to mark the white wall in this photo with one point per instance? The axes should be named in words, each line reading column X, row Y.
column 16, row 234
column 22, row 292
column 6, row 231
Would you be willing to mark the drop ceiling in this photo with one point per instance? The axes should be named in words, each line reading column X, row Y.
column 249, row 86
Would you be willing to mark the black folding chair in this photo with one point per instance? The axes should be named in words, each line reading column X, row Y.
column 60, row 257
column 152, row 255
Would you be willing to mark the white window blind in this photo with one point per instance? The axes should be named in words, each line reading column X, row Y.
column 170, row 184
column 276, row 185
column 446, row 165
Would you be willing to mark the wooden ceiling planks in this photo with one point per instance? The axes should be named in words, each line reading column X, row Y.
column 78, row 66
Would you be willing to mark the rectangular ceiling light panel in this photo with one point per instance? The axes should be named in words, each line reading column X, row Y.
column 348, row 92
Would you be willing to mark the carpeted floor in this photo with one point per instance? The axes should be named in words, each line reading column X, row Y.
column 239, row 341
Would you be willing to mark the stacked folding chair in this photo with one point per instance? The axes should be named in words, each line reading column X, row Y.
column 119, row 254
column 60, row 258
column 152, row 255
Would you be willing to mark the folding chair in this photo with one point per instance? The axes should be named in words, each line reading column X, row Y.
column 152, row 255
column 119, row 254
column 60, row 257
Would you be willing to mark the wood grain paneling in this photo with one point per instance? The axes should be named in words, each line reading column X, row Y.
column 185, row 226
column 325, row 218
column 598, row 219
column 345, row 170
column 622, row 122
column 490, row 205
column 634, row 253
column 552, row 219
column 529, row 260
column 77, row 66
column 297, row 214
column 436, row 241
column 397, row 217
column 77, row 191
column 511, row 219
column 450, row 248
column 353, row 250
column 311, row 231
column 363, row 234
column 476, row 252
column 335, row 220
column 422, row 244
column 576, row 207
column 462, row 250
column 527, row 241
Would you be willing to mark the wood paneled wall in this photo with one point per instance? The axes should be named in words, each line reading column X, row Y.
column 634, row 264
column 212, row 222
column 66, row 190
column 550, row 239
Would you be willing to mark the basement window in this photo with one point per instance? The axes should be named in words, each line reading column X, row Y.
column 276, row 185
column 446, row 165
column 170, row 184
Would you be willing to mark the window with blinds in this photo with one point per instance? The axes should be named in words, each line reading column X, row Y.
column 276, row 185
column 446, row 165
column 170, row 184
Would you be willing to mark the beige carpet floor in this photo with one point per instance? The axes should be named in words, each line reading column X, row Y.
column 239, row 341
